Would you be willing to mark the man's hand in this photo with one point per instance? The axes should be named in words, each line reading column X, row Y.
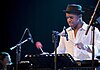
column 80, row 45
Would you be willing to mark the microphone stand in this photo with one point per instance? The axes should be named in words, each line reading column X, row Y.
column 19, row 44
column 18, row 50
column 55, row 40
column 93, row 29
column 18, row 53
column 92, row 17
column 93, row 35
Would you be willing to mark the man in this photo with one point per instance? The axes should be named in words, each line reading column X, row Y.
column 79, row 45
column 5, row 61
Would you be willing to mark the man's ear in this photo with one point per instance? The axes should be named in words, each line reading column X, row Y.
column 80, row 17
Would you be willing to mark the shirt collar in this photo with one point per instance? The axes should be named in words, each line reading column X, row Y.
column 84, row 27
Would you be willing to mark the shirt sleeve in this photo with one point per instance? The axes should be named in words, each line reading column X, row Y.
column 62, row 45
column 96, row 43
column 97, row 40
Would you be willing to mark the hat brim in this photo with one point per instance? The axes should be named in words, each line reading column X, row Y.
column 74, row 12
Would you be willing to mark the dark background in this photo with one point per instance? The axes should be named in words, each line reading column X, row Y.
column 41, row 17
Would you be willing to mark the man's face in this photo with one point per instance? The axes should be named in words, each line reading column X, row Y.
column 72, row 20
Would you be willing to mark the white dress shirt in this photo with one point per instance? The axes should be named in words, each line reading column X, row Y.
column 69, row 46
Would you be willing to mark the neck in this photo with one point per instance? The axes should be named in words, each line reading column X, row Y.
column 79, row 25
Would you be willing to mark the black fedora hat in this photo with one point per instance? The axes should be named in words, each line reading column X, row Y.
column 74, row 9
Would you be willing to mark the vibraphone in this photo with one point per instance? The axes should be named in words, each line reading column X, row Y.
column 64, row 62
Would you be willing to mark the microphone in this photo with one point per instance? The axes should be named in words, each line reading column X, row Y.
column 39, row 46
column 66, row 34
column 97, row 21
column 56, row 33
column 30, row 36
